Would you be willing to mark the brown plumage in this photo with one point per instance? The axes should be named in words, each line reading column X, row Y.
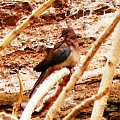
column 64, row 54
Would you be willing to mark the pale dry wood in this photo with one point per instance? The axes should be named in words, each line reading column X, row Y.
column 42, row 91
column 78, row 73
column 84, row 104
column 108, row 74
column 7, row 116
column 88, row 77
column 20, row 98
column 13, row 34
column 49, row 99
column 91, row 75
column 95, row 75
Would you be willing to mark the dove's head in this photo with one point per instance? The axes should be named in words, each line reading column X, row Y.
column 68, row 33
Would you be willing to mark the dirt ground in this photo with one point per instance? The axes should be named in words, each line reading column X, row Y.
column 88, row 18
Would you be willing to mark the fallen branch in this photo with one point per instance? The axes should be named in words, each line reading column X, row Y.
column 108, row 74
column 84, row 104
column 42, row 91
column 13, row 34
column 95, row 75
column 88, row 77
column 78, row 73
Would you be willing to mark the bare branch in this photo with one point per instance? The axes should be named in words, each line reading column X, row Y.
column 77, row 74
column 108, row 74
column 13, row 34
column 42, row 91
column 84, row 104
column 48, row 100
column 95, row 75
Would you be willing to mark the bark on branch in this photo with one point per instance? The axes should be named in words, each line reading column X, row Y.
column 108, row 74
column 84, row 104
column 13, row 34
column 77, row 74
column 42, row 91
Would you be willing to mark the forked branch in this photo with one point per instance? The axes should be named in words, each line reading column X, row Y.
column 108, row 74
column 77, row 74
column 84, row 104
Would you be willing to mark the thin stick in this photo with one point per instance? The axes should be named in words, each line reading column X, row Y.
column 77, row 74
column 13, row 34
column 42, row 91
column 84, row 104
column 108, row 75
column 16, row 107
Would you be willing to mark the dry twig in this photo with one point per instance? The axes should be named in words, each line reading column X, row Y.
column 84, row 104
column 108, row 74
column 77, row 74
column 16, row 107
column 13, row 34
column 42, row 91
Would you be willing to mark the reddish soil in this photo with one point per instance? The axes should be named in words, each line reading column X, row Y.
column 29, row 48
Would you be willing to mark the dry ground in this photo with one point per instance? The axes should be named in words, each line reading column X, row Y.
column 29, row 47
